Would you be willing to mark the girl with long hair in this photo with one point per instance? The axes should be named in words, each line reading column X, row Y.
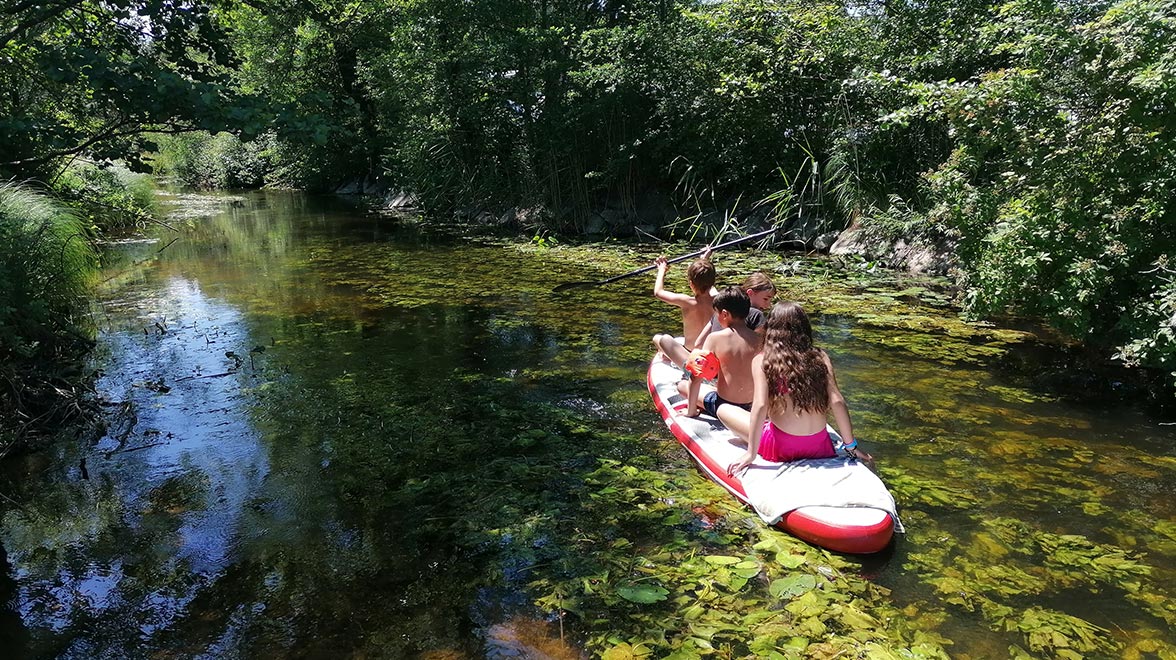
column 795, row 389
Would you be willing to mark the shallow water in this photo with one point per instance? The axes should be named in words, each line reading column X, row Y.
column 330, row 437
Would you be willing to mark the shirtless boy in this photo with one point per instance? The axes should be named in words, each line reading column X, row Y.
column 735, row 345
column 696, row 308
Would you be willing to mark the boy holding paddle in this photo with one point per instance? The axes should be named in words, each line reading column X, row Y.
column 696, row 308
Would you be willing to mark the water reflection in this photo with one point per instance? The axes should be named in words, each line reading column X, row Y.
column 159, row 512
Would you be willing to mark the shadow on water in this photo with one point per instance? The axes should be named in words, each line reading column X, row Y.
column 330, row 437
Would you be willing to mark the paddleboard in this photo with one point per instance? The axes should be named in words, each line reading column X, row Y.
column 836, row 503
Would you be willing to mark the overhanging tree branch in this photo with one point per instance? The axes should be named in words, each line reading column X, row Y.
column 111, row 133
column 48, row 13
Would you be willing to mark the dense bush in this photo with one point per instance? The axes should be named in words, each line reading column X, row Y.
column 208, row 162
column 1059, row 189
column 107, row 196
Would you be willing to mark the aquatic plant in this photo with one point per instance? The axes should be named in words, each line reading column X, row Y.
column 1031, row 563
column 707, row 578
column 661, row 544
column 441, row 436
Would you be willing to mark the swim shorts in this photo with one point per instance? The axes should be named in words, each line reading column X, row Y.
column 778, row 446
column 711, row 402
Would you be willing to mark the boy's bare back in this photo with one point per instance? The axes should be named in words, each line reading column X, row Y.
column 696, row 314
column 735, row 347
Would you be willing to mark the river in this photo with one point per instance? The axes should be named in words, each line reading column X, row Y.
column 330, row 434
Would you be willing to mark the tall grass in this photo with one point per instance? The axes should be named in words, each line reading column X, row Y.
column 47, row 265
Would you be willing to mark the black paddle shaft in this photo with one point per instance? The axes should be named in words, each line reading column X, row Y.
column 570, row 285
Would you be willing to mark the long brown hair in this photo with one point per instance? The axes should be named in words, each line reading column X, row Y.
column 794, row 366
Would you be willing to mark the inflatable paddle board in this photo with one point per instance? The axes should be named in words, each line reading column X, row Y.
column 836, row 503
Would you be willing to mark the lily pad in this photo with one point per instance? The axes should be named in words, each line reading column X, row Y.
column 788, row 560
column 721, row 560
column 792, row 586
column 642, row 593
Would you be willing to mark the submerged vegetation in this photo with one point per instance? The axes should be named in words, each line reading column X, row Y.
column 420, row 424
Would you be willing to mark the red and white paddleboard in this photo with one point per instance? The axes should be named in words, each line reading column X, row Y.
column 836, row 503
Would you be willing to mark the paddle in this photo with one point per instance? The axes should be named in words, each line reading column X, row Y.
column 571, row 285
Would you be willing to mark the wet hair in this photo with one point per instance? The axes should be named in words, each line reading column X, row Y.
column 757, row 282
column 793, row 366
column 701, row 274
column 734, row 300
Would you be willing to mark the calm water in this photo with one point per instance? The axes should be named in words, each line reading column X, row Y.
column 330, row 438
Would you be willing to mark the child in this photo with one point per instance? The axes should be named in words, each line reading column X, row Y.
column 734, row 346
column 696, row 308
column 794, row 391
column 760, row 291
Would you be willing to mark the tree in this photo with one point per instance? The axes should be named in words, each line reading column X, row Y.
column 1060, row 183
column 89, row 78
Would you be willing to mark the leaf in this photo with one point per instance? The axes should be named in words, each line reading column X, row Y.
column 746, row 572
column 808, row 605
column 792, row 586
column 788, row 560
column 856, row 619
column 624, row 651
column 767, row 544
column 642, row 593
column 721, row 560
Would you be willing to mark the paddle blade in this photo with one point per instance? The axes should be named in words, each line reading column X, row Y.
column 570, row 285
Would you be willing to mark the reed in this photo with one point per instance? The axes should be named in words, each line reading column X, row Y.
column 47, row 265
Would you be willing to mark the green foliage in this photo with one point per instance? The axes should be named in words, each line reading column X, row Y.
column 107, row 196
column 211, row 162
column 1058, row 188
column 314, row 66
column 973, row 581
column 1028, row 136
column 89, row 78
column 762, row 592
column 1032, row 138
column 46, row 269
